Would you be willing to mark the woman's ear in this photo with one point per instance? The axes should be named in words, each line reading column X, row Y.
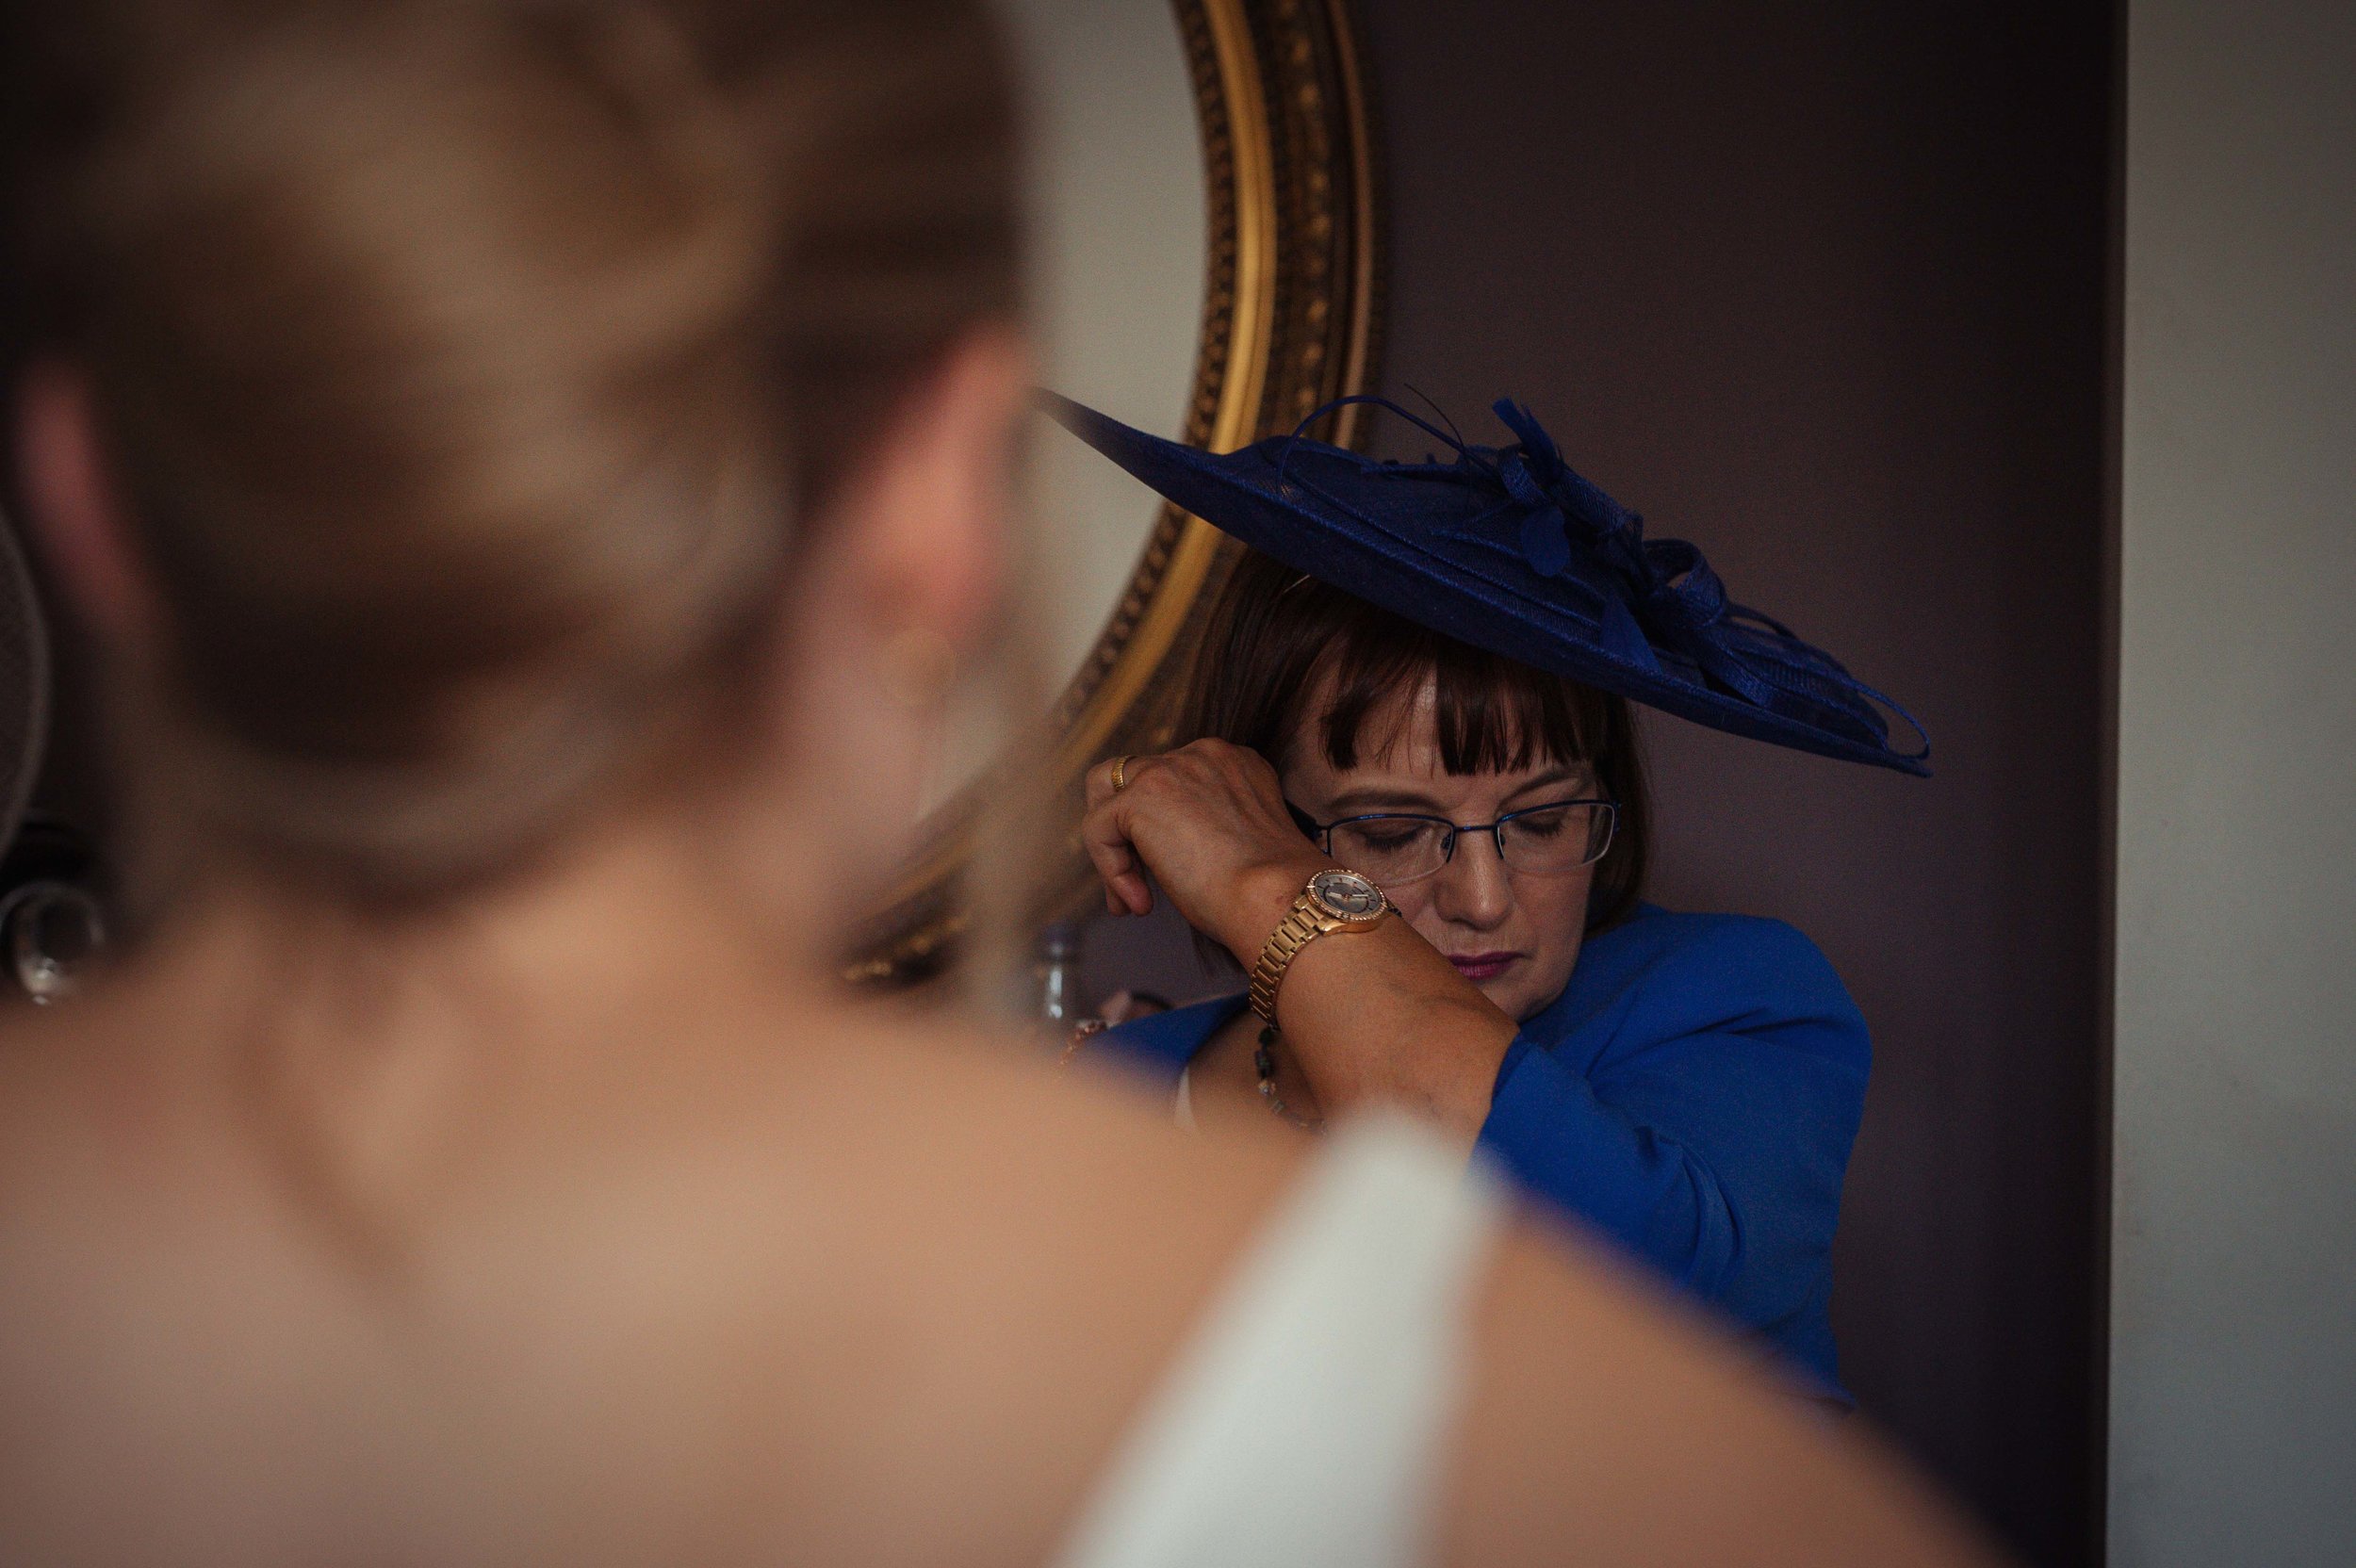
column 930, row 529
column 900, row 579
column 76, row 519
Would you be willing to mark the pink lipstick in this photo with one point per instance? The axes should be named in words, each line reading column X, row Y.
column 1482, row 966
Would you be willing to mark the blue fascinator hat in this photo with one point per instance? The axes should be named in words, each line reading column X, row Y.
column 1509, row 549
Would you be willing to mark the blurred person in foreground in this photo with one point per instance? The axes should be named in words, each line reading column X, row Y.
column 526, row 468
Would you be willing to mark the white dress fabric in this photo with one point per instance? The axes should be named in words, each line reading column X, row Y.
column 1303, row 1423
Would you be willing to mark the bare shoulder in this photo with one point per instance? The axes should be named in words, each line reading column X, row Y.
column 899, row 1283
column 1606, row 1423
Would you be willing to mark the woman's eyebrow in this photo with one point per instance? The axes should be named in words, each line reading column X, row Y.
column 1553, row 779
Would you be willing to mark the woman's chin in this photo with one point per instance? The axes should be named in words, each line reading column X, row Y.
column 1517, row 988
column 1507, row 984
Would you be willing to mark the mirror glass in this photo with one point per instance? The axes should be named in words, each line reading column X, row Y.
column 1119, row 215
column 1206, row 268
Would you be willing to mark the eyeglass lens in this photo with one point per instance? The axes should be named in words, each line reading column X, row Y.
column 1549, row 841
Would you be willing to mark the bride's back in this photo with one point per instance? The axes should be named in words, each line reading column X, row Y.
column 873, row 1295
column 524, row 466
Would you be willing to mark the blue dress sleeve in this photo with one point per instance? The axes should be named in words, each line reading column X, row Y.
column 1700, row 1112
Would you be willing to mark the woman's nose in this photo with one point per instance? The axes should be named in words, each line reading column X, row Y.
column 1473, row 888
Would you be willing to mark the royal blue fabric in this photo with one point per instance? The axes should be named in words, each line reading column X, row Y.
column 1693, row 1095
column 1510, row 550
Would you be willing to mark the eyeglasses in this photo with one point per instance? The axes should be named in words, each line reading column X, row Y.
column 1392, row 848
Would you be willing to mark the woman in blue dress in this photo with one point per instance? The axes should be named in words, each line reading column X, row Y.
column 1687, row 1084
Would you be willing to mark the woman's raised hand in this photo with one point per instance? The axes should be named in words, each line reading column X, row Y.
column 1208, row 822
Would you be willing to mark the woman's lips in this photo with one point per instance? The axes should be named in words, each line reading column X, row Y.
column 1482, row 966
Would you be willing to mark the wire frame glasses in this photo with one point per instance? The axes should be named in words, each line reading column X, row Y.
column 1392, row 848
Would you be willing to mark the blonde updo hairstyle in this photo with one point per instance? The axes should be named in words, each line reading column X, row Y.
column 472, row 372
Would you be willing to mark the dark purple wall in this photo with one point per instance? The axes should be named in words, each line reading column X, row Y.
column 1821, row 285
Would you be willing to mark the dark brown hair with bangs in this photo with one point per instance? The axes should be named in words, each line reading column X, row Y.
column 1276, row 638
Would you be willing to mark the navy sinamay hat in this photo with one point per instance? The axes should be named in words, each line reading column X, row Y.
column 1506, row 548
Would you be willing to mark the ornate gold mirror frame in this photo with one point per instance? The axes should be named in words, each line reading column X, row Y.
column 1291, row 320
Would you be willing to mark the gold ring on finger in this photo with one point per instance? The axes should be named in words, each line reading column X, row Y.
column 1120, row 773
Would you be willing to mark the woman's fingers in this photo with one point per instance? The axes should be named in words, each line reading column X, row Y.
column 1199, row 819
column 1105, row 837
column 1100, row 779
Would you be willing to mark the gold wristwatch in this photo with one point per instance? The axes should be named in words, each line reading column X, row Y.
column 1335, row 900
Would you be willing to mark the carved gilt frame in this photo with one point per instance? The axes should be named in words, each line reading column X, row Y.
column 1291, row 320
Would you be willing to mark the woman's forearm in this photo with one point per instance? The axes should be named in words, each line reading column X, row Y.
column 1379, row 1017
column 1374, row 1016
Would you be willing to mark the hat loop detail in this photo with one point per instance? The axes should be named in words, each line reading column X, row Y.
column 1509, row 549
column 1675, row 597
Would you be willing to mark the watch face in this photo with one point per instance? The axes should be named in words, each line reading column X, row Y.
column 1347, row 895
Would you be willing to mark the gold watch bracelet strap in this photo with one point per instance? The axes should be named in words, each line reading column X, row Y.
column 1301, row 925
